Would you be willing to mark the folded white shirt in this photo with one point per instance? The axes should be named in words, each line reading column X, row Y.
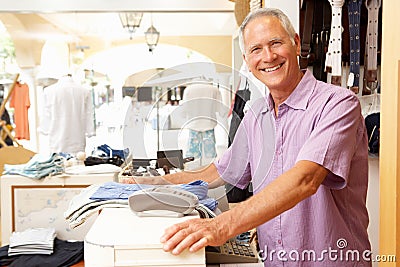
column 32, row 241
column 94, row 169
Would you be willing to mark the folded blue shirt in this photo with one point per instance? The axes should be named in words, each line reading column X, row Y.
column 114, row 190
column 38, row 166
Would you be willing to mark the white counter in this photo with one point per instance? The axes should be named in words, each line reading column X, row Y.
column 120, row 238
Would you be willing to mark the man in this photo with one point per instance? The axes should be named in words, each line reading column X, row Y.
column 304, row 147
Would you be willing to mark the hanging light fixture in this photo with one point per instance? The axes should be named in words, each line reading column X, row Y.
column 131, row 21
column 152, row 36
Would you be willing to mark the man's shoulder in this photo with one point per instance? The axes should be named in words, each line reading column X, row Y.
column 259, row 106
column 334, row 92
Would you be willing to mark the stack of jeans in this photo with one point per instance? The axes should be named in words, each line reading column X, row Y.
column 39, row 166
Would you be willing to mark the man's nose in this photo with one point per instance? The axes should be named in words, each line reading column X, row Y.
column 269, row 54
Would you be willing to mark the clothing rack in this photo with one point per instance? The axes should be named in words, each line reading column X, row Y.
column 12, row 154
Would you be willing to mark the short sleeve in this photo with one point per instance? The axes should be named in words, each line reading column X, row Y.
column 334, row 140
column 233, row 166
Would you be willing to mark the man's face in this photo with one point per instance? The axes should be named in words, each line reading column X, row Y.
column 270, row 54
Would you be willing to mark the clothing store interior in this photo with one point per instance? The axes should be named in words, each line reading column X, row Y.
column 97, row 93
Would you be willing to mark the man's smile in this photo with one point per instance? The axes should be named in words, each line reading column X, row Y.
column 271, row 69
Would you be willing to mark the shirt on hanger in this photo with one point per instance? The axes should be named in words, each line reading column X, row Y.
column 201, row 102
column 21, row 103
column 68, row 116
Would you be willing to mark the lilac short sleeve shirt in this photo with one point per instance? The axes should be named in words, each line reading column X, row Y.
column 321, row 123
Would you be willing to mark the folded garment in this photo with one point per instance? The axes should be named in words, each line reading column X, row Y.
column 109, row 152
column 38, row 166
column 81, row 206
column 95, row 169
column 32, row 241
column 80, row 200
column 115, row 160
column 199, row 188
column 94, row 209
column 113, row 194
column 65, row 254
column 113, row 190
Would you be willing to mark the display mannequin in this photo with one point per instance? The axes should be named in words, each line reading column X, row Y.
column 68, row 116
column 201, row 102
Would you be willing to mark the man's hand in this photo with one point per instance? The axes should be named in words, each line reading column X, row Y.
column 194, row 234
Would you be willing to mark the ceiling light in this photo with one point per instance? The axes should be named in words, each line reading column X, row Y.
column 152, row 36
column 131, row 21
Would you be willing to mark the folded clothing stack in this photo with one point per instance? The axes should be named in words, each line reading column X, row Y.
column 65, row 254
column 115, row 195
column 104, row 154
column 32, row 241
column 106, row 151
column 91, row 161
column 39, row 166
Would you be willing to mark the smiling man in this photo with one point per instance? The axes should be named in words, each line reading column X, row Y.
column 304, row 147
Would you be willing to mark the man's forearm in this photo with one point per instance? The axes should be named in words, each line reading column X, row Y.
column 208, row 174
column 280, row 195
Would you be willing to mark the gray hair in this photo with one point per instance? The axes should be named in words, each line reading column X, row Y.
column 265, row 12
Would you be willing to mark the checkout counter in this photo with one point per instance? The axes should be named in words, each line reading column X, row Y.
column 119, row 237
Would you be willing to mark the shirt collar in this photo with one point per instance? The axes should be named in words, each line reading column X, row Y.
column 269, row 103
column 299, row 98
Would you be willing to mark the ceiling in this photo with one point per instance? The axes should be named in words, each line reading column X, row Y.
column 94, row 25
column 75, row 21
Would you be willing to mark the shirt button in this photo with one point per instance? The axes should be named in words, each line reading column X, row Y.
column 279, row 242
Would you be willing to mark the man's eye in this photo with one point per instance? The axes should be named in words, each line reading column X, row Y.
column 255, row 50
column 276, row 44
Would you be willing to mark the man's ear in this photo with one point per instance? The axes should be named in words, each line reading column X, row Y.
column 245, row 61
column 297, row 44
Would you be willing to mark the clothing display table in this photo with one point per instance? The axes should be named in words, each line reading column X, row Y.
column 29, row 203
column 120, row 238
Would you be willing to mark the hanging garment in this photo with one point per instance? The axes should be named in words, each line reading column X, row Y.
column 202, row 144
column 241, row 97
column 233, row 193
column 21, row 103
column 68, row 116
column 333, row 61
column 372, row 123
column 306, row 35
column 354, row 10
column 201, row 102
column 320, row 38
column 371, row 48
